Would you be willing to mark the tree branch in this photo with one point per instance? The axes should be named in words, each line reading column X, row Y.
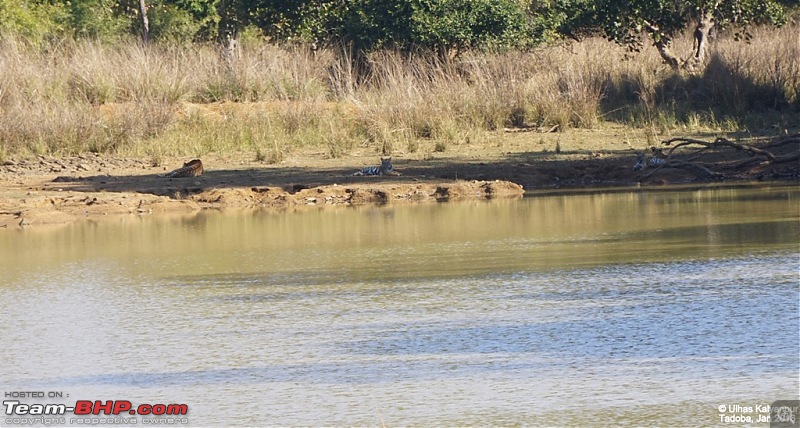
column 759, row 155
column 717, row 143
column 662, row 42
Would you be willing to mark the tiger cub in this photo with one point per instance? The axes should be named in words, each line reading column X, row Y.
column 192, row 168
column 385, row 168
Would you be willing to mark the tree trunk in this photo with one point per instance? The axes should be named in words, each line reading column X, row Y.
column 230, row 46
column 701, row 40
column 662, row 43
column 666, row 54
column 145, row 22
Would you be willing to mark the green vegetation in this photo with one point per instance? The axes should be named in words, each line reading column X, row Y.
column 364, row 25
column 627, row 21
column 383, row 75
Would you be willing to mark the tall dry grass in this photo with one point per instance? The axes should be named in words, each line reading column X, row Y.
column 76, row 96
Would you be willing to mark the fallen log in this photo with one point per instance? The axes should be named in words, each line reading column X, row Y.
column 761, row 156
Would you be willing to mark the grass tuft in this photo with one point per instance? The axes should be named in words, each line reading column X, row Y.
column 84, row 96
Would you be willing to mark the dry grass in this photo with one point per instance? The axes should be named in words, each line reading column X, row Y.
column 77, row 96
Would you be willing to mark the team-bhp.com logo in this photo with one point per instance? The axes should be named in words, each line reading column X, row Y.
column 17, row 412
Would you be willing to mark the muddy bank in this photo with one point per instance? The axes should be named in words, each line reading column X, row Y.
column 52, row 191
column 64, row 204
column 46, row 190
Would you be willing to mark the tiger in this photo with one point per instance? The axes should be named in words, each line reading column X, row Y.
column 192, row 168
column 640, row 162
column 654, row 161
column 658, row 159
column 385, row 168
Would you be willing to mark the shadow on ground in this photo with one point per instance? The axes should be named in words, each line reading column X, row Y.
column 531, row 170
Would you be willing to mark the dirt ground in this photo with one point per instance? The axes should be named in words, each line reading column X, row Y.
column 46, row 190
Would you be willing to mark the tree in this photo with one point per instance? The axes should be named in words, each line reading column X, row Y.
column 626, row 21
column 145, row 22
column 442, row 26
column 456, row 25
column 98, row 19
column 35, row 20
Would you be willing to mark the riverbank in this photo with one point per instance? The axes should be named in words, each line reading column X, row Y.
column 48, row 190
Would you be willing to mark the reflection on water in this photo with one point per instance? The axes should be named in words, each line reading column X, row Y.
column 641, row 308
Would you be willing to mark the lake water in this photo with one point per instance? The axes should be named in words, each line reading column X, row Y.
column 639, row 308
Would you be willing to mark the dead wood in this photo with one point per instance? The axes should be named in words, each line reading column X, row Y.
column 757, row 156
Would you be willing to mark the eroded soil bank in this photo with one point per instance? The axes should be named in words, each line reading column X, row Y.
column 45, row 190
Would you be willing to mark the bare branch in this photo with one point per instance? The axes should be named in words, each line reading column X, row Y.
column 718, row 143
column 789, row 139
column 692, row 167
column 759, row 156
